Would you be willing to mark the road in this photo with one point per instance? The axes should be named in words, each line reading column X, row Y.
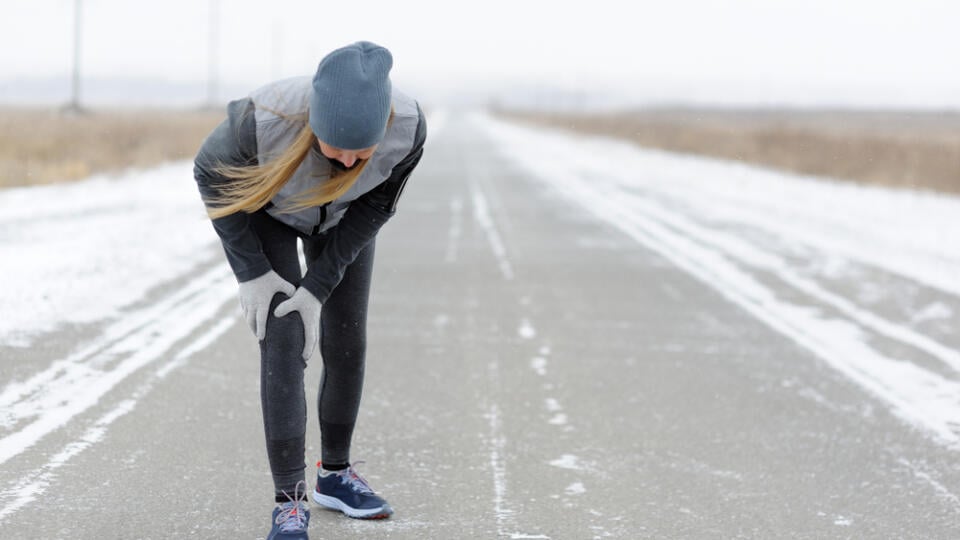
column 533, row 372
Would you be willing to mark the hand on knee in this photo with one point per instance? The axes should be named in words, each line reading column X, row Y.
column 308, row 306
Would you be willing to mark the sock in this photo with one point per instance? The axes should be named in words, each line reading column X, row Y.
column 334, row 466
column 280, row 498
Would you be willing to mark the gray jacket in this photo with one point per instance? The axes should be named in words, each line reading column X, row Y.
column 253, row 132
column 276, row 104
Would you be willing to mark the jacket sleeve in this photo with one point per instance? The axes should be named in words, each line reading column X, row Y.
column 233, row 142
column 361, row 222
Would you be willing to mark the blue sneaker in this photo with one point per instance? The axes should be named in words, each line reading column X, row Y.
column 347, row 492
column 291, row 519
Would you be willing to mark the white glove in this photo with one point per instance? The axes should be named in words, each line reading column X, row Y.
column 309, row 307
column 255, row 298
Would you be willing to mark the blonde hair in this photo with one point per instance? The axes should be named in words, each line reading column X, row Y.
column 251, row 187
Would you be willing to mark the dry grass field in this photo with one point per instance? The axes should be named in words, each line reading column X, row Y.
column 904, row 149
column 39, row 146
column 919, row 150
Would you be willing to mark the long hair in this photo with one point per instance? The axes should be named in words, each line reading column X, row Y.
column 251, row 187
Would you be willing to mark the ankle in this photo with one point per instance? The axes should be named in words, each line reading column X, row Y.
column 281, row 498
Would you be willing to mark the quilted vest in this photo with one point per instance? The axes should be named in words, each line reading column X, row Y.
column 281, row 110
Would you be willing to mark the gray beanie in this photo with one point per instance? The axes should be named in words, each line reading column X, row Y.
column 350, row 104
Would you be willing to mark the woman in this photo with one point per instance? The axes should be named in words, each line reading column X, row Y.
column 323, row 160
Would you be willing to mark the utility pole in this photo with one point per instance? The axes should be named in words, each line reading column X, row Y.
column 74, row 105
column 213, row 52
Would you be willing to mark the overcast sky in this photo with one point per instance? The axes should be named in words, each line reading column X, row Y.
column 901, row 52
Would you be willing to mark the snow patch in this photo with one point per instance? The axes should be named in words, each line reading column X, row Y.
column 79, row 252
column 526, row 330
column 539, row 364
column 932, row 312
column 567, row 461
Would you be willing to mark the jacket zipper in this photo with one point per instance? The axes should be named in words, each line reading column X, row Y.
column 323, row 218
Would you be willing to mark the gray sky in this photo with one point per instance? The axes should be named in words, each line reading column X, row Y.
column 795, row 51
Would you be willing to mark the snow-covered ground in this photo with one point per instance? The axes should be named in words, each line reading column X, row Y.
column 78, row 252
column 864, row 277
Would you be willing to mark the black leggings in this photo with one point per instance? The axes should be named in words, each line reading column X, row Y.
column 343, row 325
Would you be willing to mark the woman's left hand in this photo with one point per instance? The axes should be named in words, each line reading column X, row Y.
column 309, row 308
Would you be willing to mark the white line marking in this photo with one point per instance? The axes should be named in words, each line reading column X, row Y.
column 455, row 231
column 481, row 213
column 497, row 443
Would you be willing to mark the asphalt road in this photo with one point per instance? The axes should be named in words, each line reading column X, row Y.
column 532, row 373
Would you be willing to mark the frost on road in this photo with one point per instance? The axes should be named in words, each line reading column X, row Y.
column 88, row 258
column 864, row 277
column 571, row 337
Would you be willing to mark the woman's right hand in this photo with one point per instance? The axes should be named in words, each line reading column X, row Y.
column 255, row 298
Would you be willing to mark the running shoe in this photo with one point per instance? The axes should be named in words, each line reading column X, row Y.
column 291, row 519
column 348, row 492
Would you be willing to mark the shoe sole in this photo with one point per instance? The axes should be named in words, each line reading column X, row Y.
column 334, row 503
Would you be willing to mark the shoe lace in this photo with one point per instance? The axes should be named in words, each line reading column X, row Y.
column 351, row 477
column 293, row 514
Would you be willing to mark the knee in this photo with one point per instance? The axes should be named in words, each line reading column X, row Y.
column 345, row 364
column 284, row 336
column 345, row 355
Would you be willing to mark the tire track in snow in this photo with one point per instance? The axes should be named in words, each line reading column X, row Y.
column 51, row 399
column 32, row 485
column 919, row 396
column 739, row 250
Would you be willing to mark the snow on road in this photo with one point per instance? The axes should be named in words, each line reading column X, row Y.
column 864, row 277
column 90, row 252
column 79, row 252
